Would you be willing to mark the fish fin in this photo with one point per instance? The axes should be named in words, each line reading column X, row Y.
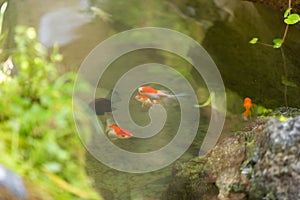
column 164, row 91
column 177, row 96
column 152, row 96
column 246, row 114
column 206, row 103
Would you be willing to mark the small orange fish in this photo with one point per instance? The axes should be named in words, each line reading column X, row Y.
column 153, row 93
column 247, row 106
column 158, row 94
column 146, row 102
column 115, row 132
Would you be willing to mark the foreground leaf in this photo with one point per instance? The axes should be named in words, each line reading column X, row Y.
column 288, row 83
column 67, row 187
column 292, row 19
column 253, row 40
column 287, row 12
column 277, row 43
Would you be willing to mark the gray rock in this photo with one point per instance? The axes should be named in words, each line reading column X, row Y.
column 277, row 172
column 11, row 185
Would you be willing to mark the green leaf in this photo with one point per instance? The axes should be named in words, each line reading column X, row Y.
column 287, row 12
column 277, row 43
column 292, row 19
column 53, row 167
column 31, row 33
column 253, row 40
column 262, row 110
column 288, row 83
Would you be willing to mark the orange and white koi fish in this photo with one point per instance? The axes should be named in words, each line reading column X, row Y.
column 146, row 102
column 247, row 106
column 156, row 94
column 115, row 132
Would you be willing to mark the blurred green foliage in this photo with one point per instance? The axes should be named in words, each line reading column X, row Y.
column 38, row 137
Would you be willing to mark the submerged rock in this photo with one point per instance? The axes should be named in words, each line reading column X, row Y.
column 277, row 172
column 261, row 162
column 215, row 176
column 188, row 181
column 285, row 112
column 223, row 167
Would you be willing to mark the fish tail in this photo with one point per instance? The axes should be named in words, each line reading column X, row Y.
column 246, row 113
column 206, row 103
column 175, row 96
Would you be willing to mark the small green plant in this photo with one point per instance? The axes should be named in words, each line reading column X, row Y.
column 37, row 133
column 38, row 137
column 289, row 19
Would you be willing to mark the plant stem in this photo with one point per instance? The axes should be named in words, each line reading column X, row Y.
column 283, row 57
column 282, row 53
column 265, row 44
column 285, row 33
column 287, row 26
column 285, row 74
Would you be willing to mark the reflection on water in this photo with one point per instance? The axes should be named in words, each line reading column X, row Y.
column 59, row 27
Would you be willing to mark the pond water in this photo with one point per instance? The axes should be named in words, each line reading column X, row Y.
column 223, row 27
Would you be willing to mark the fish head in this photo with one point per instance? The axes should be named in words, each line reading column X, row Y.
column 139, row 97
column 247, row 100
column 140, row 89
column 111, row 134
column 247, row 103
column 142, row 98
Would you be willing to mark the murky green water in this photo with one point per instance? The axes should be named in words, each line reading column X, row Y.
column 223, row 27
column 119, row 185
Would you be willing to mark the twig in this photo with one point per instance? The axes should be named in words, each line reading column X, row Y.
column 283, row 56
column 287, row 26
column 285, row 73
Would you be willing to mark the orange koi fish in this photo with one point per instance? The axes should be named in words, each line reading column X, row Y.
column 115, row 132
column 156, row 94
column 153, row 93
column 146, row 102
column 247, row 106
